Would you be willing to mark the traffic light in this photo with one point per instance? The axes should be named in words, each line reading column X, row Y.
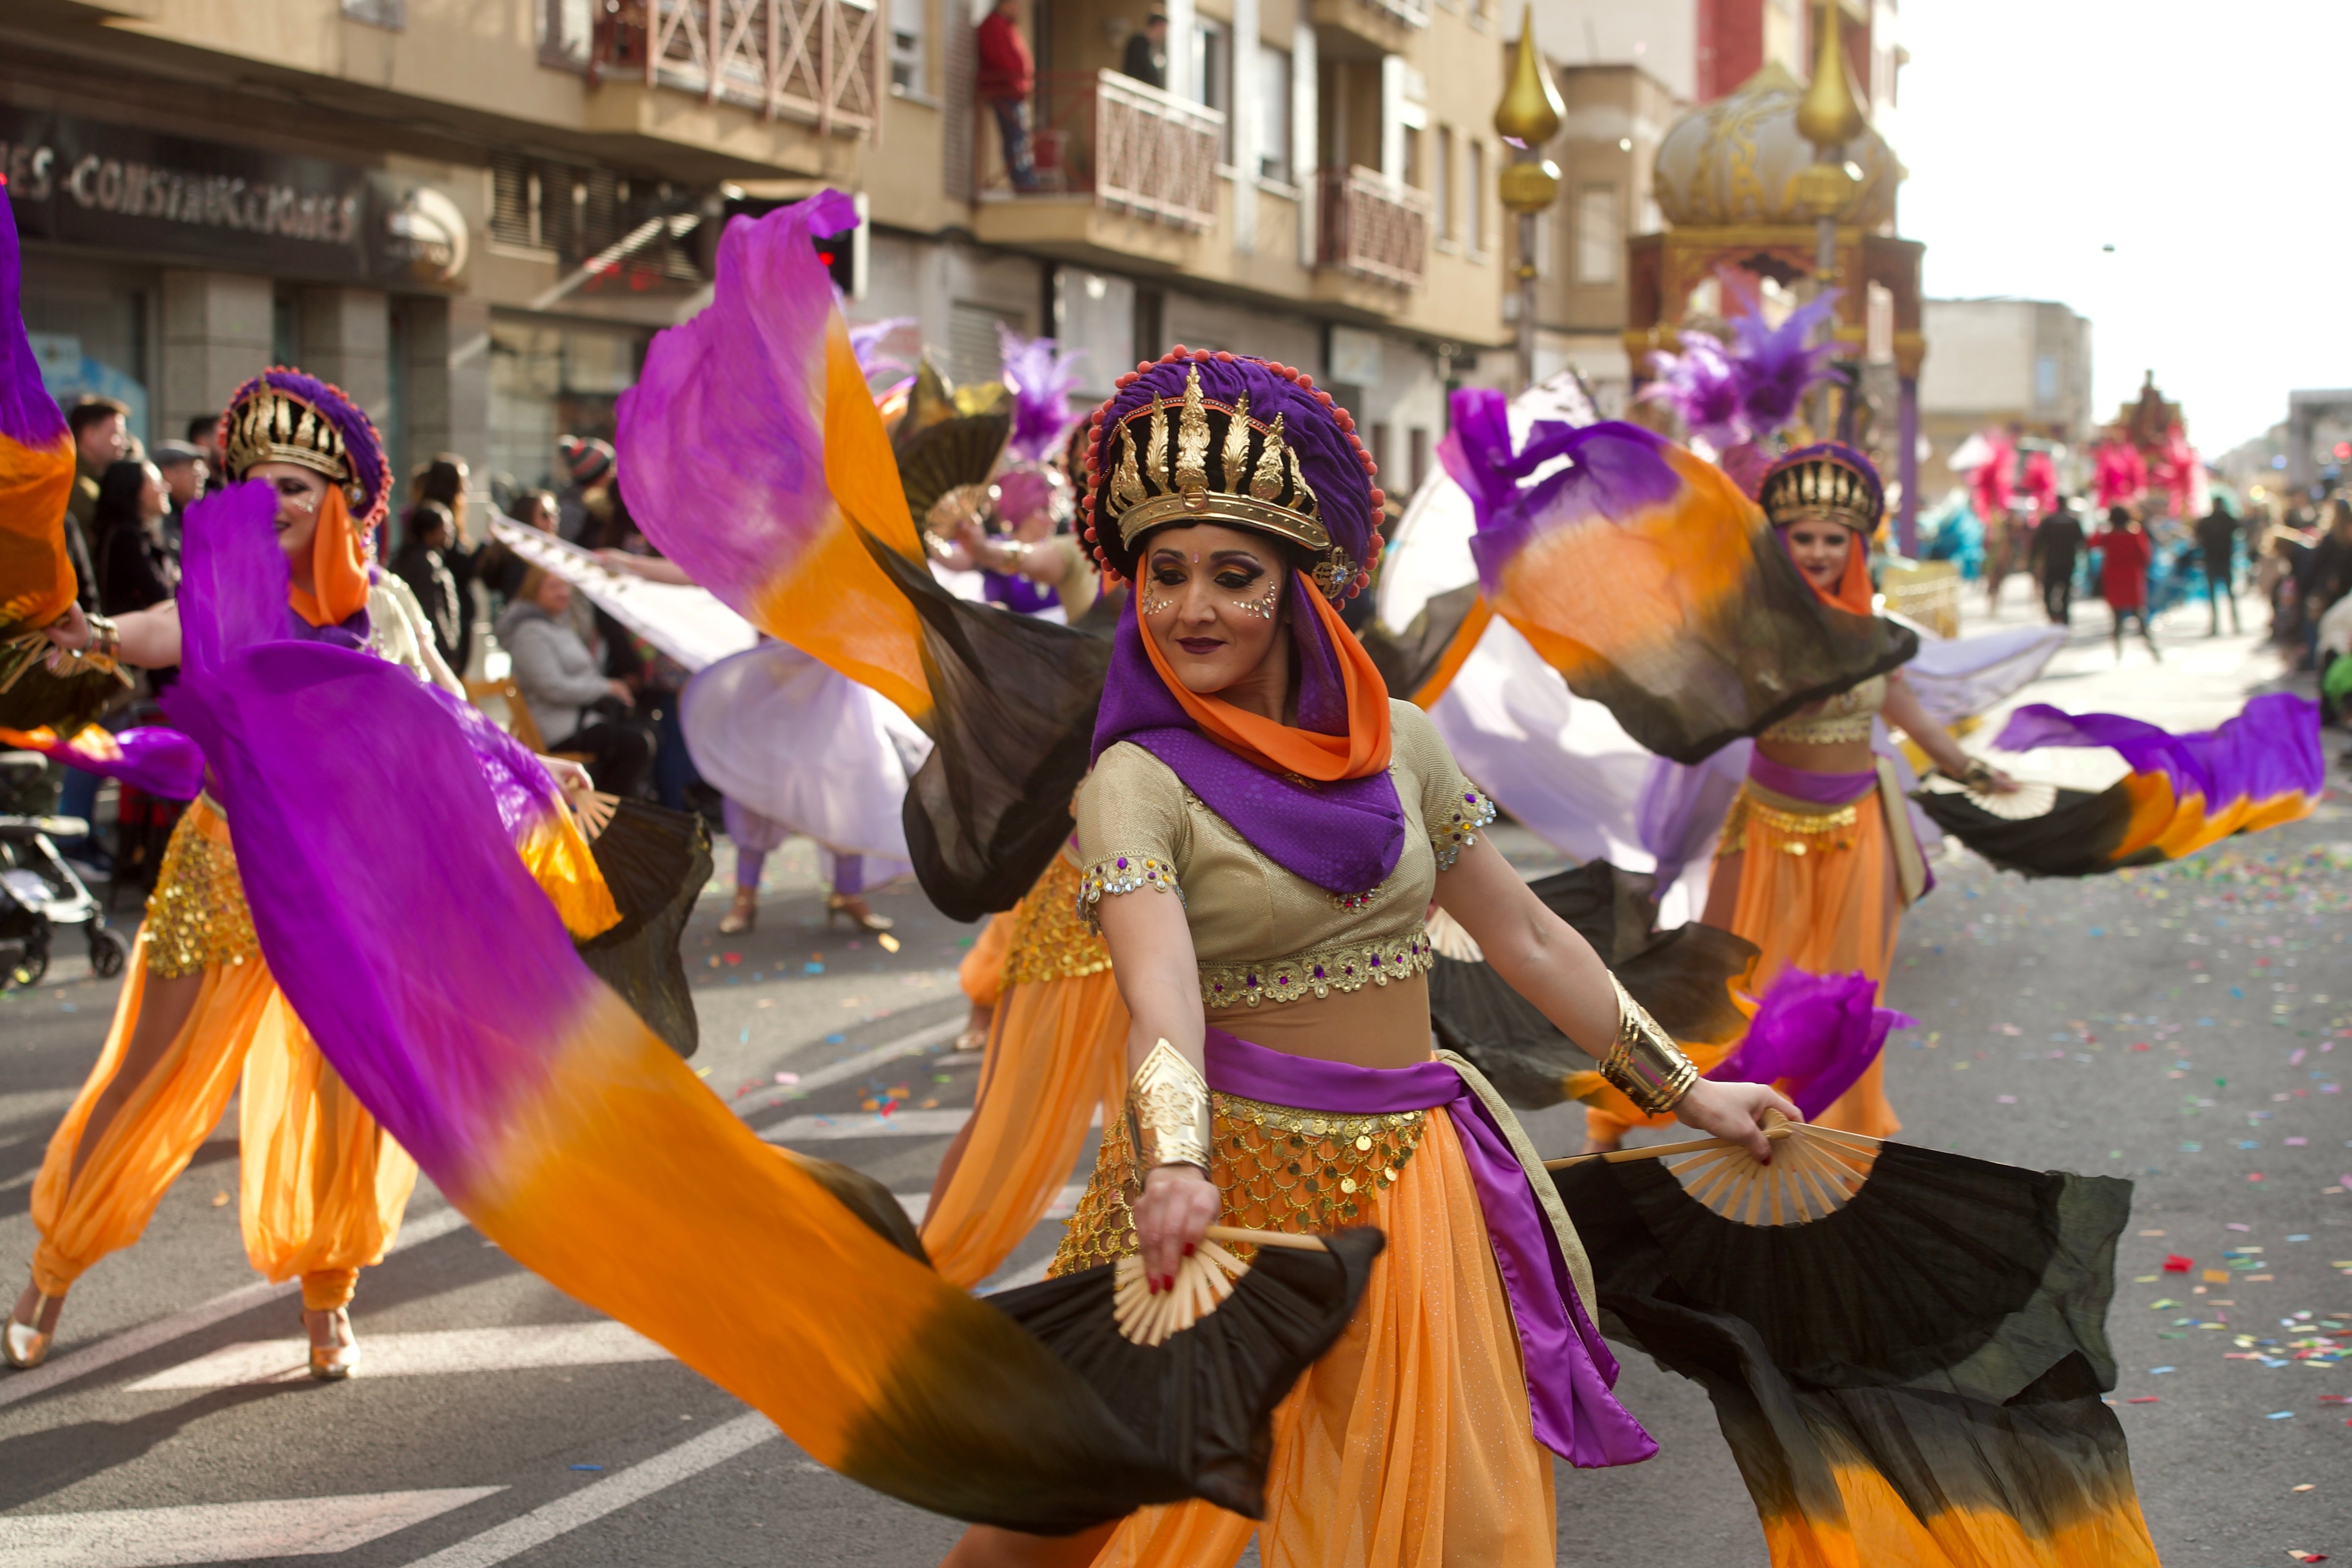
column 843, row 254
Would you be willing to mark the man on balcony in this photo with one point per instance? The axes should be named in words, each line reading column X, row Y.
column 1007, row 75
column 1146, row 53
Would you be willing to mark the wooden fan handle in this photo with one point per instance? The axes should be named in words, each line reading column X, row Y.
column 1779, row 1128
column 1268, row 1238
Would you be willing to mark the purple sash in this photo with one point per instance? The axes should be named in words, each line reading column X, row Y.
column 1569, row 1367
column 1803, row 784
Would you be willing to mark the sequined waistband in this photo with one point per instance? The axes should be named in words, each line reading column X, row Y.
column 1318, row 971
column 1279, row 1167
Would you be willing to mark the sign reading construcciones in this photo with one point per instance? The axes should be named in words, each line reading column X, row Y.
column 81, row 183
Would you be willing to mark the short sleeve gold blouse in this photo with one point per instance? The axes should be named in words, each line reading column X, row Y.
column 1261, row 933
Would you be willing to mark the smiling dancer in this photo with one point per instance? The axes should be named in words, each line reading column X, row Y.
column 322, row 1187
column 1249, row 762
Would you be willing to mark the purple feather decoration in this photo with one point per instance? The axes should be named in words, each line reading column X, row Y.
column 1704, row 391
column 1040, row 380
column 1815, row 1033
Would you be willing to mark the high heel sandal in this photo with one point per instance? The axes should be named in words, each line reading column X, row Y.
column 851, row 907
column 334, row 1363
column 26, row 1346
column 742, row 914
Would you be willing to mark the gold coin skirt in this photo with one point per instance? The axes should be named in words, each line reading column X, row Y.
column 196, row 917
column 1279, row 1168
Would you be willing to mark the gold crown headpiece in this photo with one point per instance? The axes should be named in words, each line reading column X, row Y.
column 1225, row 466
column 273, row 426
column 1825, row 482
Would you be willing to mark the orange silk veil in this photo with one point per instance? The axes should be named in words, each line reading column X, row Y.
column 1285, row 749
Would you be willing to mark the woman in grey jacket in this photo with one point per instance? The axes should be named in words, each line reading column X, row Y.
column 576, row 709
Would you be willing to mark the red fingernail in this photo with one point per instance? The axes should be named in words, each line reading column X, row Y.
column 1188, row 1249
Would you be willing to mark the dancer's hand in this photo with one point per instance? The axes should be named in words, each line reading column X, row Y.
column 70, row 631
column 2000, row 783
column 1179, row 1205
column 1735, row 1111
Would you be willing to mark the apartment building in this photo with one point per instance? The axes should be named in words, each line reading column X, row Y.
column 2004, row 362
column 474, row 214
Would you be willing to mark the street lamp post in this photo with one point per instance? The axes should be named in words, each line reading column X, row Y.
column 1828, row 117
column 1528, row 117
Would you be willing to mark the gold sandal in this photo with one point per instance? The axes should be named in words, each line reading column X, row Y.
column 334, row 1363
column 742, row 914
column 851, row 907
column 26, row 1346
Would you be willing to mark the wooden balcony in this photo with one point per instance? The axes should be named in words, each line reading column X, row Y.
column 1126, row 173
column 817, row 62
column 1369, row 229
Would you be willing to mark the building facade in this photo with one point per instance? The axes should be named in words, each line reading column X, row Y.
column 2002, row 362
column 474, row 216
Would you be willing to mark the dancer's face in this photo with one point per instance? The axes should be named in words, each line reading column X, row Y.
column 1820, row 550
column 1212, row 597
column 300, row 491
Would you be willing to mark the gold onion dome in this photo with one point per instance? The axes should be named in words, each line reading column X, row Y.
column 1738, row 160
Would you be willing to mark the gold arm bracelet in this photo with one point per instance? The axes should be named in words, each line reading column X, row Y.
column 1645, row 1065
column 105, row 637
column 1168, row 1111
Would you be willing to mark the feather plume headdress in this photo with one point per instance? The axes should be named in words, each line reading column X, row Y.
column 1748, row 389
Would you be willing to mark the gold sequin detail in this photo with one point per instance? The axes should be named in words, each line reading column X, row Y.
column 1279, row 1169
column 196, row 918
column 1051, row 941
column 1802, row 827
column 1319, row 971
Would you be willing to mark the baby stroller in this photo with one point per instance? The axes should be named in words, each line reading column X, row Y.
column 38, row 891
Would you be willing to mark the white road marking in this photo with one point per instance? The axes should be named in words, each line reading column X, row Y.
column 592, row 1502
column 18, row 1385
column 424, row 1355
column 219, row 1531
column 867, row 1124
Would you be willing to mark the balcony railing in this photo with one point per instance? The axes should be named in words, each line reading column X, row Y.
column 1133, row 148
column 1371, row 228
column 817, row 61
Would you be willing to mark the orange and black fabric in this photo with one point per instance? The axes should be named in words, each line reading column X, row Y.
column 1915, row 1379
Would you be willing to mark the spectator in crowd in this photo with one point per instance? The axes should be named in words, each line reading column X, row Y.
column 1006, row 78
column 585, row 503
column 1146, row 53
column 2056, row 544
column 422, row 564
column 101, row 436
column 203, row 434
column 443, row 480
column 2327, row 573
column 575, row 708
column 2124, row 554
column 133, row 568
column 498, row 569
column 2217, row 541
column 185, row 478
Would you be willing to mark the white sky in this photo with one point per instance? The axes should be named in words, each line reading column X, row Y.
column 2204, row 141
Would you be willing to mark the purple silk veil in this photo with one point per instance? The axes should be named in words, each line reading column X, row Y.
column 1570, row 1370
column 1343, row 837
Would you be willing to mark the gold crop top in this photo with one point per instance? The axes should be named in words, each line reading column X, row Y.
column 1261, row 933
column 1834, row 720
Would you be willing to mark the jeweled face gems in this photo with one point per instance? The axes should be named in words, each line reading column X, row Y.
column 1264, row 605
column 1153, row 604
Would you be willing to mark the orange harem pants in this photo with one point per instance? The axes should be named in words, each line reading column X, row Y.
column 1825, row 899
column 1409, row 1445
column 1057, row 1051
column 322, row 1187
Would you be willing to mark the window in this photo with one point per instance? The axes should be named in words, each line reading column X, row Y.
column 907, row 46
column 1414, row 174
column 1476, row 196
column 1599, row 241
column 1416, row 445
column 2045, row 377
column 1212, row 78
column 1441, row 184
column 1274, row 114
column 1380, row 446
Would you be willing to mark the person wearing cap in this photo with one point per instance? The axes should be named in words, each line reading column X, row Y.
column 585, row 503
column 186, row 480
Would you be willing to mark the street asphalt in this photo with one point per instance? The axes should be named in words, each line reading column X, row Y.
column 2186, row 1028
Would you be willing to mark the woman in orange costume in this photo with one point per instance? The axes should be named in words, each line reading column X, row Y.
column 1247, row 760
column 322, row 1187
column 1818, row 860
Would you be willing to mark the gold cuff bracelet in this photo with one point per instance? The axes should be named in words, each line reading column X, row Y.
column 1168, row 1111
column 1645, row 1065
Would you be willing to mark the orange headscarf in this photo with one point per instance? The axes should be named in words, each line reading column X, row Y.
column 339, row 589
column 1853, row 594
column 1285, row 749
